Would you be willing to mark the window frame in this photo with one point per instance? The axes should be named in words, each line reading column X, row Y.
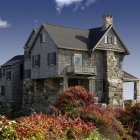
column 51, row 58
column 99, row 85
column 36, row 59
column 8, row 75
column 2, row 90
column 42, row 38
column 27, row 55
column 106, row 39
column 111, row 40
column 27, row 73
column 80, row 57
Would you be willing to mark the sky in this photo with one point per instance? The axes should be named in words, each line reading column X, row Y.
column 19, row 17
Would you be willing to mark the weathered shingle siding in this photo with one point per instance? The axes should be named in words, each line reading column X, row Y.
column 115, row 47
column 17, row 84
column 27, row 63
column 43, row 49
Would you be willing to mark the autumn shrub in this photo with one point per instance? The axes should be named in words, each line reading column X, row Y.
column 73, row 97
column 130, row 119
column 77, row 102
column 7, row 129
column 42, row 127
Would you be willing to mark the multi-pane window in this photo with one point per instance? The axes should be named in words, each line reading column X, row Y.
column 8, row 75
column 36, row 60
column 27, row 73
column 110, row 40
column 99, row 85
column 42, row 37
column 27, row 55
column 78, row 59
column 2, row 90
column 51, row 58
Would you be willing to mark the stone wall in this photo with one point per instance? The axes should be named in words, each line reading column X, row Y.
column 113, row 76
column 39, row 95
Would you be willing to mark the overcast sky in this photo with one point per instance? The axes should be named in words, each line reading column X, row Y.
column 19, row 17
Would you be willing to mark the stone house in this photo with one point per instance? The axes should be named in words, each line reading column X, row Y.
column 11, row 83
column 57, row 57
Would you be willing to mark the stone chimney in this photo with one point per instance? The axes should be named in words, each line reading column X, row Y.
column 107, row 20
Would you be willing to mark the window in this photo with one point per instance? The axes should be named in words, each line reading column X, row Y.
column 51, row 58
column 8, row 75
column 21, row 71
column 2, row 90
column 36, row 60
column 42, row 38
column 99, row 85
column 78, row 59
column 115, row 40
column 106, row 39
column 3, row 71
column 111, row 40
column 27, row 73
column 27, row 55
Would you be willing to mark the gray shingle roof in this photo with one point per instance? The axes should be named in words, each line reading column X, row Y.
column 14, row 61
column 76, row 39
column 69, row 38
column 31, row 34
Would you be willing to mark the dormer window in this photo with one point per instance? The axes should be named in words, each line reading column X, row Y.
column 8, row 75
column 106, row 39
column 115, row 40
column 42, row 37
column 110, row 40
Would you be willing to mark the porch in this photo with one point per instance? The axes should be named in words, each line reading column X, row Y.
column 130, row 78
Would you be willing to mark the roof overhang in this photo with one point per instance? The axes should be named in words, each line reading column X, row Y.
column 129, row 78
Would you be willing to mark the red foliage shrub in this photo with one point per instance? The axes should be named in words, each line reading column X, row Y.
column 73, row 97
column 48, row 127
column 130, row 118
column 77, row 102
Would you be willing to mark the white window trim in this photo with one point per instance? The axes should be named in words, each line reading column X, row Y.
column 43, row 38
column 78, row 56
column 115, row 40
column 106, row 39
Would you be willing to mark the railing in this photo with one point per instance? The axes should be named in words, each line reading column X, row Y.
column 82, row 70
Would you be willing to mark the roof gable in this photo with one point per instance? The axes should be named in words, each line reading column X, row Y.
column 31, row 38
column 78, row 39
column 119, row 47
column 128, row 77
column 14, row 61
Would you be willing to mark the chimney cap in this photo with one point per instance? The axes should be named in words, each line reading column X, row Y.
column 108, row 15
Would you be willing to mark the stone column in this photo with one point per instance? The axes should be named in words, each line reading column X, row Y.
column 91, row 86
column 65, row 82
column 136, row 90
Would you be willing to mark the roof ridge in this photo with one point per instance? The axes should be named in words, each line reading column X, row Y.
column 65, row 26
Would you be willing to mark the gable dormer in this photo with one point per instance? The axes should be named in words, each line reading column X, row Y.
column 112, row 41
column 108, row 38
